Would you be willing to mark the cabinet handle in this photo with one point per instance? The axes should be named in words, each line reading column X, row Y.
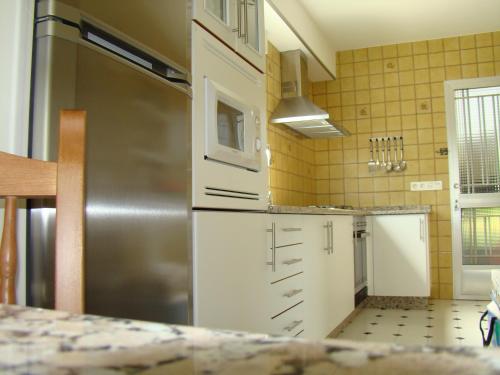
column 245, row 8
column 273, row 247
column 327, row 227
column 331, row 237
column 291, row 229
column 293, row 325
column 421, row 230
column 238, row 27
column 292, row 293
column 292, row 261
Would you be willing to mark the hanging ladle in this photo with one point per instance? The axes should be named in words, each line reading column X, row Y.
column 388, row 166
column 371, row 163
column 383, row 163
column 395, row 166
column 402, row 162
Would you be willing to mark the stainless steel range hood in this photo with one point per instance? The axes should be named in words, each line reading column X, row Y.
column 295, row 109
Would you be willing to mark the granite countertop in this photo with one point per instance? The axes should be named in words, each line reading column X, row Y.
column 385, row 210
column 37, row 341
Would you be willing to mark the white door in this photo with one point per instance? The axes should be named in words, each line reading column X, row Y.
column 230, row 271
column 317, row 249
column 341, row 270
column 400, row 255
column 218, row 16
column 473, row 125
column 250, row 44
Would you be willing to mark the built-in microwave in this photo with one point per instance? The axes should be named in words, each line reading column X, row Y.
column 229, row 132
column 232, row 128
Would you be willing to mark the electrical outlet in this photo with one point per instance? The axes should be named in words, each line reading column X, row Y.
column 426, row 185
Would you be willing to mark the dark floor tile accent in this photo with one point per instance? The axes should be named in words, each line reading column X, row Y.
column 397, row 334
column 429, row 318
column 455, row 311
column 430, row 310
column 401, row 325
column 428, row 336
column 367, row 333
column 457, row 319
column 404, row 316
column 374, row 324
column 379, row 316
column 406, row 309
column 429, row 326
column 460, row 338
column 457, row 327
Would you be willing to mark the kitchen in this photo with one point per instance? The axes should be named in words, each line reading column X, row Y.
column 301, row 189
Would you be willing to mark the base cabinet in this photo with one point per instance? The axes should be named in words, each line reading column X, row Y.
column 329, row 273
column 230, row 270
column 400, row 255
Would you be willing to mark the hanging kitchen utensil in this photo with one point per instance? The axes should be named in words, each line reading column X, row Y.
column 395, row 165
column 383, row 163
column 371, row 163
column 402, row 162
column 377, row 162
column 388, row 166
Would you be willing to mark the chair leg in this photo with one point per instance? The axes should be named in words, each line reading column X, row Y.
column 8, row 254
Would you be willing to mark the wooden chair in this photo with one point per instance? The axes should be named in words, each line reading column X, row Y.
column 28, row 178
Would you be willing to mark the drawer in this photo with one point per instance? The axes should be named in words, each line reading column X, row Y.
column 286, row 293
column 289, row 260
column 288, row 230
column 290, row 323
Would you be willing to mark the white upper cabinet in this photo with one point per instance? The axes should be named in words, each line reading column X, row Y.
column 400, row 255
column 238, row 23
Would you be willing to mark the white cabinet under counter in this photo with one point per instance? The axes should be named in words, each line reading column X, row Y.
column 398, row 256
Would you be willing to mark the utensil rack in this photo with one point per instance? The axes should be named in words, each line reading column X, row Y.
column 387, row 154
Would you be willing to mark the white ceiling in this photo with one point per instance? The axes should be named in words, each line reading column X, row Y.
column 351, row 24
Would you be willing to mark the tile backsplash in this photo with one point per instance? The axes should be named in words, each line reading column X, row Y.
column 382, row 91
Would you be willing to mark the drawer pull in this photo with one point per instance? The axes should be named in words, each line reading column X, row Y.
column 293, row 325
column 292, row 293
column 292, row 261
column 291, row 229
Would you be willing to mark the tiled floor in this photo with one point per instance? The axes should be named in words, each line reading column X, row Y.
column 443, row 323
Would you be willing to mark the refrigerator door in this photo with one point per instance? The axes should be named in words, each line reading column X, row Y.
column 162, row 25
column 138, row 184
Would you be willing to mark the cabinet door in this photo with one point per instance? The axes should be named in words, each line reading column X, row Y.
column 229, row 270
column 341, row 265
column 219, row 16
column 251, row 44
column 400, row 260
column 317, row 275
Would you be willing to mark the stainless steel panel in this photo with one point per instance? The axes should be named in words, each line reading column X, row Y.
column 163, row 25
column 137, row 238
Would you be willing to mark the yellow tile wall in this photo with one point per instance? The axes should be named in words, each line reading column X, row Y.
column 397, row 90
column 292, row 174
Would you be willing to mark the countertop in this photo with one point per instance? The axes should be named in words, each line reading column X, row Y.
column 36, row 341
column 385, row 210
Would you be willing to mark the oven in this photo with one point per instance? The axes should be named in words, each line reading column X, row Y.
column 360, row 259
column 229, row 132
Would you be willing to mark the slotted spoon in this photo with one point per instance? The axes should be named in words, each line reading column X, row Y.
column 371, row 163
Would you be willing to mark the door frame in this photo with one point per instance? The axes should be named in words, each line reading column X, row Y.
column 456, row 246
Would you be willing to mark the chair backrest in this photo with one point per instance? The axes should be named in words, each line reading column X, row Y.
column 28, row 178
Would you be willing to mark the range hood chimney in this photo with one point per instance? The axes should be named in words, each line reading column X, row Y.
column 295, row 109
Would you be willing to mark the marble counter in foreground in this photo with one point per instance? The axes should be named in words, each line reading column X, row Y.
column 386, row 210
column 36, row 341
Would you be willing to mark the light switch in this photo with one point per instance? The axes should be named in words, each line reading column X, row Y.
column 426, row 185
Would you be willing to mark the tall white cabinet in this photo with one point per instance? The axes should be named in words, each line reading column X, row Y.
column 400, row 256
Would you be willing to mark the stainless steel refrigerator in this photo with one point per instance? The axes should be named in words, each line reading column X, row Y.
column 126, row 62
